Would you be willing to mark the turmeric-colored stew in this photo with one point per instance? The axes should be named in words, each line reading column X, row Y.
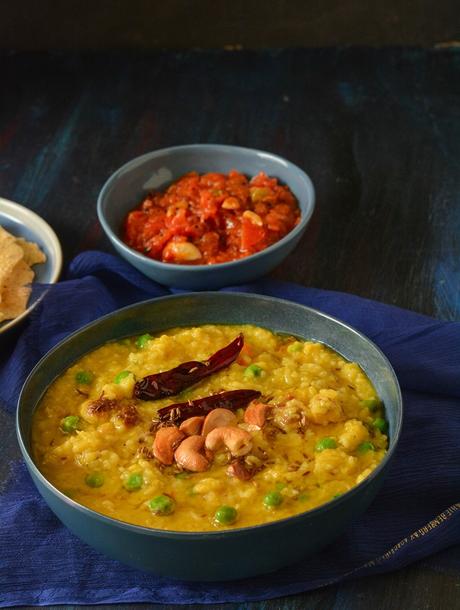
column 209, row 427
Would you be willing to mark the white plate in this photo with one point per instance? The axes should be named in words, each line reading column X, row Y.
column 22, row 222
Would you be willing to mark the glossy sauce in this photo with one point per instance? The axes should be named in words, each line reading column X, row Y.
column 212, row 218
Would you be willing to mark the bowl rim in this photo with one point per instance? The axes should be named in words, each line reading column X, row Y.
column 239, row 531
column 141, row 258
column 46, row 233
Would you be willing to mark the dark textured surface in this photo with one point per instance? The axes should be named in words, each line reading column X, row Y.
column 378, row 132
column 102, row 24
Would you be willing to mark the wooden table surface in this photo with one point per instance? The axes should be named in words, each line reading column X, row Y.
column 377, row 130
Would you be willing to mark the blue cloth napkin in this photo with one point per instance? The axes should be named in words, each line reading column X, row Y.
column 417, row 512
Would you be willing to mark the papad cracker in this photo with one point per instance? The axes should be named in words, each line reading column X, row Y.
column 32, row 253
column 17, row 255
column 10, row 254
column 16, row 291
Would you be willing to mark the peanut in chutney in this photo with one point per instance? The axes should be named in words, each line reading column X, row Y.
column 315, row 429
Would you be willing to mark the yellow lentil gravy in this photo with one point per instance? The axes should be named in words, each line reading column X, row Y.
column 316, row 429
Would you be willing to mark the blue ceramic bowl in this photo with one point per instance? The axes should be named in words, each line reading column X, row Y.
column 219, row 555
column 156, row 170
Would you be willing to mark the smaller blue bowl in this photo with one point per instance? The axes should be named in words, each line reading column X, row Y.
column 156, row 170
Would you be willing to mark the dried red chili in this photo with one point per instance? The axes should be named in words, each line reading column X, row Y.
column 233, row 399
column 169, row 383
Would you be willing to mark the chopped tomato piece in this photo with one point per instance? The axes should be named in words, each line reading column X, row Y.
column 251, row 235
column 134, row 227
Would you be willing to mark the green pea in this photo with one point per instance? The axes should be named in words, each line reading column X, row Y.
column 365, row 447
column 142, row 341
column 280, row 486
column 337, row 495
column 134, row 481
column 371, row 403
column 295, row 347
column 253, row 370
column 122, row 376
column 302, row 497
column 380, row 424
column 182, row 475
column 225, row 515
column 94, row 480
column 83, row 377
column 70, row 424
column 162, row 505
column 273, row 499
column 325, row 443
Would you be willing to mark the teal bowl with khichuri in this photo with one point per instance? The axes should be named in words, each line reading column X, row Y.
column 210, row 425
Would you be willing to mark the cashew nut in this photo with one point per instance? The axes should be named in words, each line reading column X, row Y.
column 189, row 454
column 256, row 413
column 165, row 442
column 237, row 441
column 192, row 425
column 218, row 418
